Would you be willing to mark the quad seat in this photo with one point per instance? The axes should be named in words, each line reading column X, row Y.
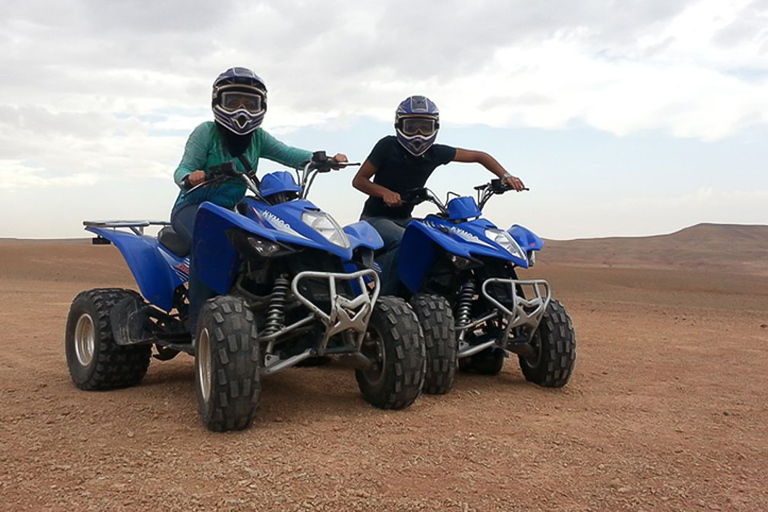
column 172, row 241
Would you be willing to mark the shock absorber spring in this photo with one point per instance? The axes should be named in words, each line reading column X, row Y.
column 277, row 303
column 464, row 304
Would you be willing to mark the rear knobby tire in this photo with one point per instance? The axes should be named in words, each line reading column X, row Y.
column 488, row 362
column 436, row 320
column 395, row 343
column 94, row 359
column 554, row 344
column 227, row 364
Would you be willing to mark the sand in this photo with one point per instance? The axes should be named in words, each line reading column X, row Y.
column 666, row 410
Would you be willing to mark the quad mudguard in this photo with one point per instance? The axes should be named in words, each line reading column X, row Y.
column 424, row 240
column 527, row 239
column 157, row 272
column 217, row 262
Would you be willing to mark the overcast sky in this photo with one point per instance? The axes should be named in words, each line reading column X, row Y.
column 624, row 118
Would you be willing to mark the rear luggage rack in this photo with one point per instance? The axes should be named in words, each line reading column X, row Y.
column 137, row 226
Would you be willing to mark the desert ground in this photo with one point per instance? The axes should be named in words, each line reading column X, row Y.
column 666, row 410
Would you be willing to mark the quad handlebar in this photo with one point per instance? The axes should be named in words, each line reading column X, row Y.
column 419, row 195
column 494, row 187
column 216, row 175
column 318, row 163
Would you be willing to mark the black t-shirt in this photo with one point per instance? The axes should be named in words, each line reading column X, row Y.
column 400, row 171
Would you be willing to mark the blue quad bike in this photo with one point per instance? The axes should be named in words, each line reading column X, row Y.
column 291, row 285
column 459, row 272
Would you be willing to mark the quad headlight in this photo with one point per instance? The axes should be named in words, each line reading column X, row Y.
column 326, row 226
column 505, row 240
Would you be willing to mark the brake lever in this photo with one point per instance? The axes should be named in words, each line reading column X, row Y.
column 208, row 183
column 343, row 165
column 499, row 187
column 414, row 196
column 333, row 165
column 217, row 174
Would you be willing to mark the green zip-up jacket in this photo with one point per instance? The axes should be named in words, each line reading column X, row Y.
column 204, row 149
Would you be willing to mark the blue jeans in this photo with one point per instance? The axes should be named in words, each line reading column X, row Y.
column 391, row 231
column 183, row 223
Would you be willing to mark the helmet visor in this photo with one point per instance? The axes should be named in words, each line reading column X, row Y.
column 235, row 100
column 419, row 126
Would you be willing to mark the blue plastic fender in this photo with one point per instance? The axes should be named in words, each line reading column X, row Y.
column 217, row 262
column 157, row 272
column 424, row 238
column 527, row 239
column 214, row 258
column 417, row 255
column 276, row 182
column 462, row 208
column 284, row 222
column 362, row 234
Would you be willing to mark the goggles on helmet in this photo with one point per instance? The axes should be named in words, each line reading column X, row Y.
column 418, row 126
column 232, row 101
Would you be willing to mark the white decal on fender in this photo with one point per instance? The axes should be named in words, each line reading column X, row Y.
column 279, row 224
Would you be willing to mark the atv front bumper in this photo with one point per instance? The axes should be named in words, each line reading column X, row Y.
column 345, row 315
column 514, row 309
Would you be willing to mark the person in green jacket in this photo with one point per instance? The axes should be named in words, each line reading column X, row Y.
column 239, row 102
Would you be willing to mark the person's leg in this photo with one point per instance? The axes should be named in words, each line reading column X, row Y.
column 183, row 222
column 391, row 232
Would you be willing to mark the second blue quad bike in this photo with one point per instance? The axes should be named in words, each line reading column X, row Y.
column 460, row 273
column 291, row 285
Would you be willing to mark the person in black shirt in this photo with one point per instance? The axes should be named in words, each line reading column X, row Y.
column 404, row 162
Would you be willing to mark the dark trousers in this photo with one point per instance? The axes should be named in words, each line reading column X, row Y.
column 391, row 231
column 183, row 223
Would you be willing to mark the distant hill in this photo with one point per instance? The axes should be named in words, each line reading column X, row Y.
column 733, row 248
column 722, row 248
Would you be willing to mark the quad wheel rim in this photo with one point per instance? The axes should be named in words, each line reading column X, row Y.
column 373, row 348
column 534, row 360
column 85, row 339
column 204, row 364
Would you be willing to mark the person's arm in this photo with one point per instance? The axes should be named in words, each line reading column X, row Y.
column 288, row 155
column 282, row 153
column 362, row 182
column 490, row 163
column 193, row 161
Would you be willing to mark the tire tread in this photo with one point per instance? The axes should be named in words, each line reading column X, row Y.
column 436, row 320
column 116, row 366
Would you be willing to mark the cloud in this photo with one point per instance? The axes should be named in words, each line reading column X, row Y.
column 94, row 90
column 40, row 148
column 344, row 58
column 16, row 175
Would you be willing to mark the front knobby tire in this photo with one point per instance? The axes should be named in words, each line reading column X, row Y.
column 554, row 346
column 227, row 364
column 94, row 359
column 395, row 343
column 436, row 320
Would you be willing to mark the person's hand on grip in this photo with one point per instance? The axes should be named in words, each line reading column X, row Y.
column 392, row 199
